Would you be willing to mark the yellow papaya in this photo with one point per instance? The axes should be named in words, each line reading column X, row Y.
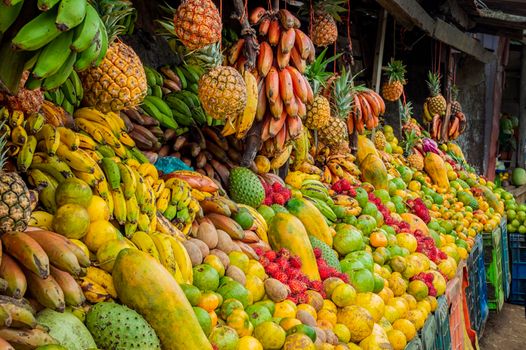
column 287, row 231
column 456, row 150
column 374, row 171
column 144, row 285
column 365, row 147
column 415, row 223
column 311, row 218
column 436, row 169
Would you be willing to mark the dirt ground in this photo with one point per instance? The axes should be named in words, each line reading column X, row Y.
column 505, row 330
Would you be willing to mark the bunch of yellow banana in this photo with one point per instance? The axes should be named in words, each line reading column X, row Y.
column 340, row 166
column 97, row 285
column 352, row 205
column 175, row 201
column 169, row 251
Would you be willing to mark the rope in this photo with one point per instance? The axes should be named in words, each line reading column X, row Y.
column 334, row 53
column 221, row 15
column 349, row 38
column 311, row 17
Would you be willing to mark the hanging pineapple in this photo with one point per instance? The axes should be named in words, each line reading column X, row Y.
column 319, row 111
column 324, row 27
column 197, row 23
column 393, row 88
column 15, row 203
column 119, row 81
column 335, row 134
column 379, row 140
column 409, row 124
column 222, row 92
column 455, row 105
column 436, row 103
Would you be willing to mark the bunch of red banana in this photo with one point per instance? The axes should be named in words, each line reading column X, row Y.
column 283, row 90
column 367, row 108
column 456, row 127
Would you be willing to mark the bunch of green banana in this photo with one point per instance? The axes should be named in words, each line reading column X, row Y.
column 315, row 189
column 69, row 95
column 66, row 35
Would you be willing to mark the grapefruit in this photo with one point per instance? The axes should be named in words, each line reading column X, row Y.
column 73, row 191
column 406, row 327
column 418, row 289
column 358, row 320
column 372, row 303
column 71, row 220
column 98, row 209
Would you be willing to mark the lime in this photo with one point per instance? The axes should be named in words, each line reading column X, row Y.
column 258, row 313
column 267, row 212
column 228, row 306
column 206, row 277
column 192, row 293
column 303, row 329
column 204, row 319
column 348, row 240
column 244, row 218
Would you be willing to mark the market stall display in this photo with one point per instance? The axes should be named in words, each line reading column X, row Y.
column 103, row 247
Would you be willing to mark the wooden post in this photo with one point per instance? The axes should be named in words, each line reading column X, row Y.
column 502, row 52
column 379, row 50
column 522, row 112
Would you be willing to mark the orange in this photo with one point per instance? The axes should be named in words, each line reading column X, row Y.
column 213, row 318
column 343, row 295
column 405, row 326
column 327, row 315
column 358, row 320
column 285, row 309
column 289, row 322
column 418, row 317
column 372, row 303
column 378, row 239
column 408, row 241
column 391, row 313
column 411, row 301
column 386, row 294
column 397, row 339
column 342, row 332
column 401, row 305
column 324, row 324
column 249, row 343
column 329, row 305
column 209, row 301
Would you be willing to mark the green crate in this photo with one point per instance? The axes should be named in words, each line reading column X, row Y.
column 492, row 251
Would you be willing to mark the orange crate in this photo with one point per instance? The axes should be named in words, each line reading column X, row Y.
column 454, row 299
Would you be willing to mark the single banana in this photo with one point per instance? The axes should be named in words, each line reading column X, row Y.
column 53, row 56
column 102, row 278
column 71, row 13
column 46, row 291
column 132, row 210
column 119, row 209
column 28, row 252
column 37, row 33
column 166, row 255
column 128, row 180
column 88, row 31
column 73, row 294
column 144, row 242
column 18, row 135
column 77, row 160
column 183, row 259
column 25, row 156
column 69, row 138
column 112, row 172
column 21, row 312
column 51, row 138
column 41, row 219
column 94, row 292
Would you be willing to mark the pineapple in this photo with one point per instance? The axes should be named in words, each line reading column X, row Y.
column 410, row 124
column 436, row 102
column 414, row 157
column 15, row 202
column 119, row 81
column 319, row 111
column 455, row 105
column 197, row 23
column 379, row 140
column 27, row 101
column 335, row 134
column 222, row 92
column 393, row 88
column 324, row 27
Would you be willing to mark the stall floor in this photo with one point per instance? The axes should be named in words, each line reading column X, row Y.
column 505, row 330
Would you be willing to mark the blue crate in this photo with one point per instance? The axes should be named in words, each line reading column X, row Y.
column 443, row 337
column 414, row 344
column 518, row 248
column 484, row 307
column 506, row 268
column 518, row 291
column 428, row 334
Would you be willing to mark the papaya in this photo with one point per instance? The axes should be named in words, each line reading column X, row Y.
column 287, row 231
column 311, row 218
column 365, row 147
column 374, row 171
column 492, row 199
column 144, row 285
column 415, row 223
column 436, row 169
column 456, row 150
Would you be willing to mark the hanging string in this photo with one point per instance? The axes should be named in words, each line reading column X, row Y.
column 269, row 5
column 245, row 11
column 285, row 1
column 221, row 15
column 334, row 53
column 349, row 38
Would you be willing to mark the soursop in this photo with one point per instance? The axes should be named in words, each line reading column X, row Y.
column 245, row 187
column 118, row 327
column 327, row 253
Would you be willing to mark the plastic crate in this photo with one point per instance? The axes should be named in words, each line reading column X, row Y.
column 454, row 299
column 428, row 333
column 414, row 344
column 443, row 337
column 476, row 292
column 518, row 268
column 493, row 263
column 506, row 266
column 518, row 291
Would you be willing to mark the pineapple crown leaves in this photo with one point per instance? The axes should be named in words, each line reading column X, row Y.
column 316, row 72
column 433, row 83
column 454, row 92
column 342, row 94
column 118, row 16
column 407, row 111
column 411, row 140
column 395, row 71
column 331, row 7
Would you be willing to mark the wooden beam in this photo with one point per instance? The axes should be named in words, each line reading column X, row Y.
column 451, row 35
column 409, row 13
column 459, row 15
column 522, row 111
column 379, row 50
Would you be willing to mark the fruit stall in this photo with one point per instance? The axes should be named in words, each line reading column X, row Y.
column 251, row 194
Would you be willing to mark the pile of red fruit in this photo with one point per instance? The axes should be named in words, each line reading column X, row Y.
column 343, row 186
column 399, row 226
column 276, row 194
column 419, row 208
column 427, row 278
column 426, row 245
column 286, row 268
column 326, row 270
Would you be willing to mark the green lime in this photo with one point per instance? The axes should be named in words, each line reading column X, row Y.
column 204, row 319
column 192, row 293
column 206, row 277
column 244, row 218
